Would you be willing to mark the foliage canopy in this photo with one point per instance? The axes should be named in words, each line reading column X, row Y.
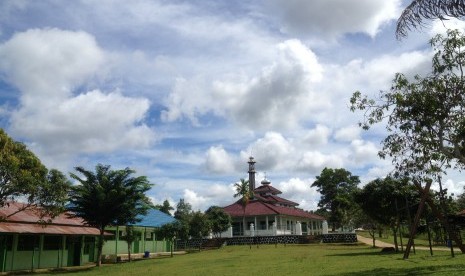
column 23, row 177
column 426, row 115
column 108, row 197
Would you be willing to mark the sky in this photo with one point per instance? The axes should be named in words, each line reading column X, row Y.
column 184, row 92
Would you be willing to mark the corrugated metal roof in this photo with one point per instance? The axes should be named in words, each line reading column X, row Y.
column 155, row 218
column 26, row 222
column 31, row 228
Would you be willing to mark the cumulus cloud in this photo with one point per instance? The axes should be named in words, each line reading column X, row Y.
column 363, row 152
column 275, row 98
column 300, row 191
column 50, row 68
column 317, row 136
column 334, row 18
column 218, row 160
column 348, row 133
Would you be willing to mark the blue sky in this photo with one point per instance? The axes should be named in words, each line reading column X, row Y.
column 185, row 91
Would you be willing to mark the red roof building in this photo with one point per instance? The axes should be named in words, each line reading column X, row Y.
column 268, row 214
column 29, row 241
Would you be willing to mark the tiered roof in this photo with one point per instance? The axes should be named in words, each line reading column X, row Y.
column 266, row 202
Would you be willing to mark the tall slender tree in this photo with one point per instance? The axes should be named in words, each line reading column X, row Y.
column 243, row 191
column 108, row 197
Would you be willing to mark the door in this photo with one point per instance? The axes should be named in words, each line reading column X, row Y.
column 74, row 245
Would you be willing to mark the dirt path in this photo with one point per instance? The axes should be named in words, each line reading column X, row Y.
column 369, row 241
column 378, row 243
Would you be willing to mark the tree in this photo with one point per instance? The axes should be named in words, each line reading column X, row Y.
column 108, row 197
column 425, row 119
column 413, row 15
column 130, row 237
column 183, row 214
column 220, row 221
column 199, row 225
column 383, row 201
column 169, row 232
column 336, row 187
column 243, row 191
column 426, row 116
column 23, row 177
column 165, row 207
column 460, row 201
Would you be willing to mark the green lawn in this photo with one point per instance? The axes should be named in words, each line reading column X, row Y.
column 315, row 259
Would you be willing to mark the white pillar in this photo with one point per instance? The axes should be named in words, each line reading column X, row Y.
column 298, row 229
column 266, row 222
column 230, row 232
column 252, row 230
column 275, row 229
column 325, row 227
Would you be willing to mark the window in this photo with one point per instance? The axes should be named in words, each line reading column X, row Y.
column 7, row 241
column 28, row 242
column 111, row 237
column 88, row 244
column 52, row 242
column 149, row 236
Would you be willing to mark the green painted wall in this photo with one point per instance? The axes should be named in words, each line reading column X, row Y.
column 26, row 260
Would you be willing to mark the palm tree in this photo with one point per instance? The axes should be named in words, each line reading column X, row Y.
column 414, row 14
column 108, row 197
column 243, row 191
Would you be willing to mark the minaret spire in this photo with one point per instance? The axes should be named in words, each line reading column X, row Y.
column 251, row 173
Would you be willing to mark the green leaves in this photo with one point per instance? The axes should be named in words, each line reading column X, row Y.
column 337, row 187
column 22, row 175
column 425, row 115
column 109, row 197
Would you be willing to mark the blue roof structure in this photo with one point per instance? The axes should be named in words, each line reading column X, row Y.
column 154, row 218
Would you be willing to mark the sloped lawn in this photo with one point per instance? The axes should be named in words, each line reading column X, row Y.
column 315, row 259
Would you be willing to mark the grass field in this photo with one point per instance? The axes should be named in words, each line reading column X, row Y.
column 314, row 259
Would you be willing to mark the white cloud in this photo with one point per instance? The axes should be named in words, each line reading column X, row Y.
column 49, row 63
column 193, row 198
column 48, row 66
column 363, row 152
column 300, row 191
column 441, row 27
column 317, row 136
column 348, row 133
column 218, row 160
column 272, row 150
column 276, row 98
column 333, row 18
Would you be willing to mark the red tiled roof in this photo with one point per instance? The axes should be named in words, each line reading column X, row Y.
column 267, row 189
column 27, row 222
column 258, row 208
column 277, row 199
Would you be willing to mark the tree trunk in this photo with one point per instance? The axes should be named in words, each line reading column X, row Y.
column 171, row 247
column 129, row 250
column 372, row 234
column 442, row 219
column 100, row 246
column 394, row 231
